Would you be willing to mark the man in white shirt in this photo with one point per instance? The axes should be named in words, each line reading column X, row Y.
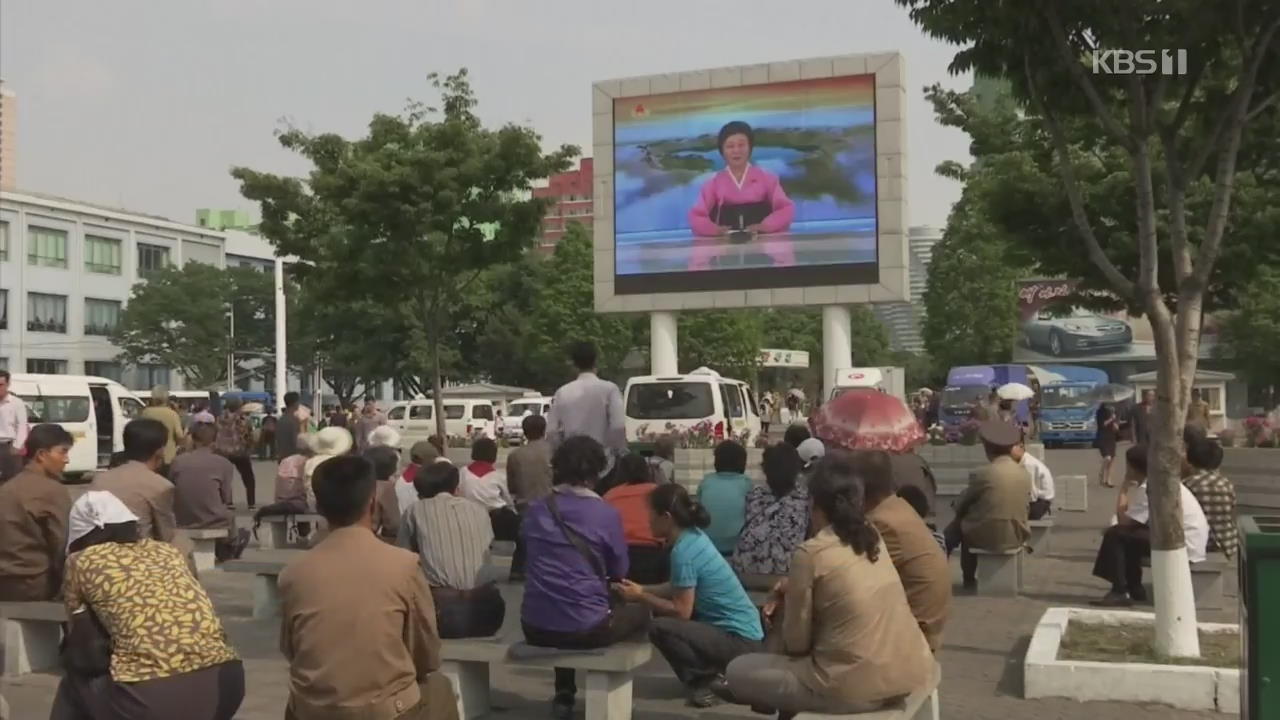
column 1128, row 540
column 1041, row 481
column 13, row 418
column 484, row 483
column 589, row 406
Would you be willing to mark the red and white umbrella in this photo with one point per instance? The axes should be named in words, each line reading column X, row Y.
column 867, row 420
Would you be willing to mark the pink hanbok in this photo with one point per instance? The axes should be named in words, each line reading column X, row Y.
column 708, row 217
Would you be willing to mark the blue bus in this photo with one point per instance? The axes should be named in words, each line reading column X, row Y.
column 1066, row 415
column 970, row 385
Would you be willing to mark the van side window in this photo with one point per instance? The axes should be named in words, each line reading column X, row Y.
column 454, row 412
column 732, row 401
column 397, row 413
column 130, row 408
column 482, row 412
column 752, row 405
column 421, row 412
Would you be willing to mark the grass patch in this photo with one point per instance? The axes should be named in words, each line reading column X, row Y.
column 1136, row 643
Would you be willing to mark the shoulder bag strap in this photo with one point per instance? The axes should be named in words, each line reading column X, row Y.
column 575, row 538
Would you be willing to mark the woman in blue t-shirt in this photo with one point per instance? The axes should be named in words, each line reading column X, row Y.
column 707, row 619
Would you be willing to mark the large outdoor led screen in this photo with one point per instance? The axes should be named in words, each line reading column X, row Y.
column 756, row 186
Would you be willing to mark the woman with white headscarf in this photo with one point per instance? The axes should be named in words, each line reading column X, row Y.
column 144, row 641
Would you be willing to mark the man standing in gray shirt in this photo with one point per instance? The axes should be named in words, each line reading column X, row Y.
column 288, row 428
column 589, row 406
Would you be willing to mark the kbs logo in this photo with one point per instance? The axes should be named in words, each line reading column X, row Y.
column 1139, row 62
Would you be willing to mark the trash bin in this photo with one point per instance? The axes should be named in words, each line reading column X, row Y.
column 1260, row 617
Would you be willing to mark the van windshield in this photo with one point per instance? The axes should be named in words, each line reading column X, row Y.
column 519, row 409
column 57, row 409
column 1055, row 396
column 670, row 401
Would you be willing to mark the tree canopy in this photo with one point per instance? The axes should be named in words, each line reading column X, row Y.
column 178, row 317
column 409, row 216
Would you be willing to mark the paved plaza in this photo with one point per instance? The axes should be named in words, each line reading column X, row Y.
column 981, row 660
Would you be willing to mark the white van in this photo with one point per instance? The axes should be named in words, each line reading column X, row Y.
column 683, row 401
column 463, row 417
column 513, row 421
column 93, row 409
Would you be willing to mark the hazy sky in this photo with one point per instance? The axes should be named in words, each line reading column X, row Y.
column 145, row 104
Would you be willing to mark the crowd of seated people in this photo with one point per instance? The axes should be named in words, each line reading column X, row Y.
column 852, row 624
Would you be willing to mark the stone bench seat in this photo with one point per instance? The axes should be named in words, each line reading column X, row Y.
column 278, row 527
column 999, row 572
column 203, row 542
column 608, row 672
column 266, row 593
column 911, row 708
column 1040, row 531
column 32, row 632
column 1206, row 581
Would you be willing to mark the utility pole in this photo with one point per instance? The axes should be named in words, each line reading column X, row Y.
column 231, row 348
column 282, row 366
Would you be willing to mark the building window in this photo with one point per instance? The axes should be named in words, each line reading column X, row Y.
column 101, row 317
column 103, row 368
column 45, row 366
column 149, row 376
column 46, row 247
column 4, row 309
column 102, row 255
column 4, row 363
column 46, row 313
column 152, row 258
column 4, row 241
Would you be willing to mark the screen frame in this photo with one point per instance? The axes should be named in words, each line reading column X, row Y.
column 886, row 281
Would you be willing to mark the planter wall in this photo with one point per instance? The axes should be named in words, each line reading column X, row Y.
column 1189, row 687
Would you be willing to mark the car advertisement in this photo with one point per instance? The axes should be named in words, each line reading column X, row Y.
column 1053, row 329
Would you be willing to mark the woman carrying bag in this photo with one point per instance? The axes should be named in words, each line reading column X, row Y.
column 144, row 642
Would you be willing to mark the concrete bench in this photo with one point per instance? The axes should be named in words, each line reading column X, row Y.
column 609, row 673
column 999, row 572
column 911, row 708
column 1040, row 531
column 203, row 542
column 266, row 593
column 1206, row 581
column 279, row 526
column 32, row 632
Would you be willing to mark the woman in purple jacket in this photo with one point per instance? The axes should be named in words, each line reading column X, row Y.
column 575, row 546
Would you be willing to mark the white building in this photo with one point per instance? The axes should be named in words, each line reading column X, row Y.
column 903, row 320
column 66, row 271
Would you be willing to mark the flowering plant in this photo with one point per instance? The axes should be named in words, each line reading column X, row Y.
column 1258, row 432
column 699, row 437
column 937, row 435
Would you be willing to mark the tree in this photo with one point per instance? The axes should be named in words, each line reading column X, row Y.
column 971, row 301
column 727, row 341
column 410, row 215
column 178, row 317
column 1250, row 334
column 1178, row 137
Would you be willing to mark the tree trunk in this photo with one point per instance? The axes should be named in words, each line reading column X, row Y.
column 1176, row 628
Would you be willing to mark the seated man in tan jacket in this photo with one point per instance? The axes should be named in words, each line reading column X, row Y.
column 920, row 562
column 138, row 485
column 992, row 512
column 358, row 625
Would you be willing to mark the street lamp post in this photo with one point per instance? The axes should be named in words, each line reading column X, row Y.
column 231, row 348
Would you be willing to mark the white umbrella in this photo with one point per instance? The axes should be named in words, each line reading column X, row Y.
column 1015, row 391
column 796, row 393
column 253, row 408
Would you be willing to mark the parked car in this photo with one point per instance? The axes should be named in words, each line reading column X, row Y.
column 1079, row 331
column 512, row 428
column 464, row 417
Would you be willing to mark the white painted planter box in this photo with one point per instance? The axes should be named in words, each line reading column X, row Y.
column 1188, row 687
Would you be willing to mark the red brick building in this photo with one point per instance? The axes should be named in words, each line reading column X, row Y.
column 571, row 192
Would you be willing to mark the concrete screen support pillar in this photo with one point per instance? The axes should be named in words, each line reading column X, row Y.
column 837, row 345
column 663, row 334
